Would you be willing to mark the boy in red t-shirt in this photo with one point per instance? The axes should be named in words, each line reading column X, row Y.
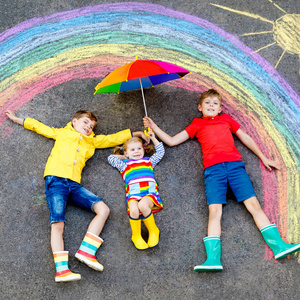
column 223, row 164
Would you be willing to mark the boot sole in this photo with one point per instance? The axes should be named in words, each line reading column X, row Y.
column 208, row 269
column 150, row 247
column 68, row 278
column 287, row 252
column 140, row 249
column 88, row 262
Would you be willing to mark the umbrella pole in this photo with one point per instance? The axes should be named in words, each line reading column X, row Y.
column 146, row 133
column 143, row 98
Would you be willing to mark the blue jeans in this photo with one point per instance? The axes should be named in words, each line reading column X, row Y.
column 60, row 191
column 233, row 173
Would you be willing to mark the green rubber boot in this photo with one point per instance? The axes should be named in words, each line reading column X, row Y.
column 213, row 251
column 136, row 237
column 278, row 246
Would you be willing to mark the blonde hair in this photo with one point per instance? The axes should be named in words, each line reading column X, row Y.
column 120, row 150
column 209, row 93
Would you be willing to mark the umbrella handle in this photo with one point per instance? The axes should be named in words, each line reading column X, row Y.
column 146, row 132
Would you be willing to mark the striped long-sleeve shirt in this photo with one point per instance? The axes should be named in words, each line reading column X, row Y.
column 139, row 170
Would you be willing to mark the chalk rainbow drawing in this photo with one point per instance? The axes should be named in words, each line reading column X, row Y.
column 41, row 53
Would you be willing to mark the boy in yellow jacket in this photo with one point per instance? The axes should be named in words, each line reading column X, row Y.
column 74, row 145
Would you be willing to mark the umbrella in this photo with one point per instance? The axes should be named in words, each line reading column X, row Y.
column 139, row 74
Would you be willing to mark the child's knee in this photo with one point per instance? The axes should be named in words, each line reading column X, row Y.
column 58, row 227
column 134, row 213
column 145, row 204
column 252, row 205
column 142, row 206
column 100, row 208
column 215, row 211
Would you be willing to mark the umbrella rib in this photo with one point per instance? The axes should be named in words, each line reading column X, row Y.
column 129, row 70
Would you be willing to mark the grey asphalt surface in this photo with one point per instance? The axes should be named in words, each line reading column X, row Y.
column 166, row 272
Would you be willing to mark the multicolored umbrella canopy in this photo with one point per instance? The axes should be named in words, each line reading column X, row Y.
column 139, row 74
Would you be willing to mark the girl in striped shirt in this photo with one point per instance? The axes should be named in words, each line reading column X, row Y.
column 142, row 197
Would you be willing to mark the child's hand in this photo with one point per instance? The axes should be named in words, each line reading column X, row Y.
column 151, row 133
column 11, row 115
column 148, row 122
column 142, row 135
column 269, row 164
column 145, row 138
column 153, row 137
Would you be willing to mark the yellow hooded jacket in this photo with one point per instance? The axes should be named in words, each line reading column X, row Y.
column 72, row 149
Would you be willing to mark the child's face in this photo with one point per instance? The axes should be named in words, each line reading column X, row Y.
column 210, row 107
column 135, row 150
column 83, row 125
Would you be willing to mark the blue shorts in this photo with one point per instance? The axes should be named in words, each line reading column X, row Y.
column 233, row 173
column 60, row 191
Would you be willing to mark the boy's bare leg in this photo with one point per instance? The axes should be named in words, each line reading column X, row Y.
column 61, row 257
column 214, row 219
column 212, row 242
column 102, row 212
column 57, row 242
column 260, row 218
column 269, row 231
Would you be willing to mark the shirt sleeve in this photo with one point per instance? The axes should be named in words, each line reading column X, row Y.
column 40, row 128
column 158, row 155
column 234, row 125
column 117, row 163
column 112, row 140
column 192, row 128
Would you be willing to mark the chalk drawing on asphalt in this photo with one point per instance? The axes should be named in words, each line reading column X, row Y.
column 285, row 30
column 47, row 51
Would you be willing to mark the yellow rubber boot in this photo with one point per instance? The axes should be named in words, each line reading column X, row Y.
column 136, row 237
column 153, row 230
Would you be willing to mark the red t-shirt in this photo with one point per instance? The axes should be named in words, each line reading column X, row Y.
column 215, row 137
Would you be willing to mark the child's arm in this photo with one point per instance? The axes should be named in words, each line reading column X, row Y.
column 115, row 139
column 117, row 162
column 167, row 139
column 11, row 115
column 158, row 155
column 142, row 135
column 119, row 156
column 34, row 125
column 249, row 142
column 153, row 138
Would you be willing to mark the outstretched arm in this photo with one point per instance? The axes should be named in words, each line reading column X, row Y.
column 249, row 142
column 11, row 115
column 33, row 125
column 167, row 139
